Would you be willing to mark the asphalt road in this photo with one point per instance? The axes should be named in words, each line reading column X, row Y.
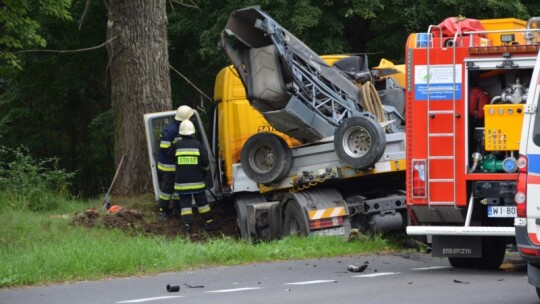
column 409, row 278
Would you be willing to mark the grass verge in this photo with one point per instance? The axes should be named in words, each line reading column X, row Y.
column 38, row 249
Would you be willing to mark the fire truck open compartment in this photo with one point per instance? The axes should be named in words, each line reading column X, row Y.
column 465, row 104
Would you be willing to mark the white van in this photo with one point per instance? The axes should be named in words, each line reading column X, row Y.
column 527, row 222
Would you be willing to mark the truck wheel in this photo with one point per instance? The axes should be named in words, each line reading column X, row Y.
column 359, row 142
column 493, row 250
column 294, row 223
column 266, row 158
column 461, row 262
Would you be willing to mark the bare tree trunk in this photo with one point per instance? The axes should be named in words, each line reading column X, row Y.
column 139, row 69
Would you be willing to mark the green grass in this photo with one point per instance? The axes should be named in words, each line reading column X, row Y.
column 38, row 249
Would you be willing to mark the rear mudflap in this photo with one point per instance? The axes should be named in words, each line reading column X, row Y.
column 456, row 246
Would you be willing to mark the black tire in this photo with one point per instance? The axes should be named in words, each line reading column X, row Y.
column 493, row 250
column 294, row 222
column 359, row 142
column 462, row 262
column 266, row 158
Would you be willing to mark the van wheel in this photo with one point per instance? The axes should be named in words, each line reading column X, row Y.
column 294, row 223
column 266, row 158
column 359, row 142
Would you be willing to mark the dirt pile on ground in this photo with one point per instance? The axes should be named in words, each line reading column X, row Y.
column 135, row 222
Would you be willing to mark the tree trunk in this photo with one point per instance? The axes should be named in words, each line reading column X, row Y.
column 139, row 69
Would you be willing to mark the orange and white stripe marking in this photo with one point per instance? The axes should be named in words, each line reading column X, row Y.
column 326, row 213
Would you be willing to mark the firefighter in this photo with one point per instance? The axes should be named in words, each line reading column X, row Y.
column 192, row 167
column 166, row 160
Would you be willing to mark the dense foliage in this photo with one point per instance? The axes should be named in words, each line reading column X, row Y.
column 58, row 105
column 31, row 184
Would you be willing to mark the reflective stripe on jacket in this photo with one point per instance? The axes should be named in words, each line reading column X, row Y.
column 192, row 164
column 165, row 158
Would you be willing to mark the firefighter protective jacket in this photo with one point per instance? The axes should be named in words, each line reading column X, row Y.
column 192, row 165
column 166, row 159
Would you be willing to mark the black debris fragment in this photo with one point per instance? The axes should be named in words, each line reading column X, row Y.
column 354, row 268
column 461, row 282
column 193, row 286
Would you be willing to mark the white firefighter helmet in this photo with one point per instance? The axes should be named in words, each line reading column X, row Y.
column 183, row 113
column 186, row 128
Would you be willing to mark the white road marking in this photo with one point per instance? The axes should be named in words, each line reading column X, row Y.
column 311, row 282
column 150, row 299
column 233, row 290
column 378, row 274
column 432, row 267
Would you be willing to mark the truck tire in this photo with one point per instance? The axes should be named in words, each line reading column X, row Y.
column 266, row 158
column 294, row 222
column 493, row 250
column 359, row 142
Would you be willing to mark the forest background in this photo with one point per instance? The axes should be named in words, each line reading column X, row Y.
column 55, row 74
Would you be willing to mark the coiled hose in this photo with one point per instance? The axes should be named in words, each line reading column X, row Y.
column 371, row 102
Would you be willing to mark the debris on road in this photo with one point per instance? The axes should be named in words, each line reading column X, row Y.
column 354, row 268
column 193, row 286
column 173, row 288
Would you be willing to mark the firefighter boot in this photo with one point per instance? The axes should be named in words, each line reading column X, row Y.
column 186, row 229
column 206, row 215
column 164, row 210
column 176, row 212
column 210, row 225
column 186, row 221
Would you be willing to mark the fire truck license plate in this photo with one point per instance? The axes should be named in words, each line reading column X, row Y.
column 501, row 211
column 331, row 231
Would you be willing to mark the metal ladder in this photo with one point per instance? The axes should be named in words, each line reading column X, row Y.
column 431, row 114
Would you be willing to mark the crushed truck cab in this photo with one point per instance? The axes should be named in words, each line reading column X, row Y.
column 301, row 143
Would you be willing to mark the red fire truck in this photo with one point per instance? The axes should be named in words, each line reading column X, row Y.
column 467, row 83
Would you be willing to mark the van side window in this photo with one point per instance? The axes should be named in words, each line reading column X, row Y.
column 536, row 129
